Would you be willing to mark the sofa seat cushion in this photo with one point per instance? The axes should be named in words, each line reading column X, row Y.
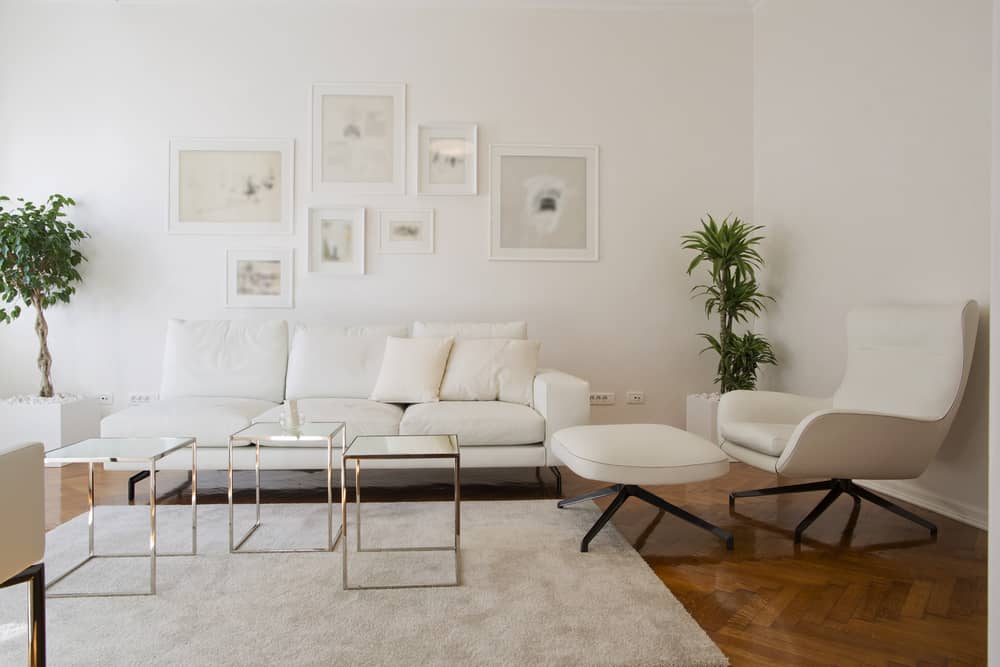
column 476, row 423
column 761, row 437
column 360, row 416
column 210, row 420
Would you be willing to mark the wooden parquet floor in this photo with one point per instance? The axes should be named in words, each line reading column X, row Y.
column 864, row 588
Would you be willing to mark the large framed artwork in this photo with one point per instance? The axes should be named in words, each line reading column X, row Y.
column 231, row 186
column 543, row 203
column 359, row 138
column 337, row 240
column 447, row 154
column 259, row 278
column 406, row 232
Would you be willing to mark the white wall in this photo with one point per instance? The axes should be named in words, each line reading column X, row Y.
column 994, row 410
column 90, row 94
column 872, row 168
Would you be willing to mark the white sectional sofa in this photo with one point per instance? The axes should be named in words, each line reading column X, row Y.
column 220, row 376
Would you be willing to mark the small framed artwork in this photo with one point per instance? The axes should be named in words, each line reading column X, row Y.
column 231, row 186
column 544, row 203
column 405, row 232
column 359, row 138
column 259, row 278
column 447, row 157
column 337, row 240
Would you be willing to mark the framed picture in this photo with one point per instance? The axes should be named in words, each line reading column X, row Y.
column 359, row 138
column 231, row 186
column 259, row 278
column 337, row 240
column 543, row 203
column 406, row 231
column 447, row 156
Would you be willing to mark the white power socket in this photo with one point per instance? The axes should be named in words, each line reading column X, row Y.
column 635, row 397
column 138, row 398
column 602, row 398
column 106, row 399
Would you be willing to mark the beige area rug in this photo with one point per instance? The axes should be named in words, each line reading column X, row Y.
column 528, row 596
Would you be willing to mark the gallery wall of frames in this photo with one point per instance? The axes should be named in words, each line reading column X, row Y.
column 543, row 199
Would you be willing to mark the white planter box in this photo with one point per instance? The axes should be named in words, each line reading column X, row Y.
column 53, row 424
column 702, row 416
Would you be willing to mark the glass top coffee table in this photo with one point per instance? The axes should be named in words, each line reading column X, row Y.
column 307, row 434
column 379, row 447
column 132, row 450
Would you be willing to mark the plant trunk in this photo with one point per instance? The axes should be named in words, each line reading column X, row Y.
column 44, row 358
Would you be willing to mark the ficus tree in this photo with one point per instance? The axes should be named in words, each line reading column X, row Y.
column 729, row 249
column 39, row 256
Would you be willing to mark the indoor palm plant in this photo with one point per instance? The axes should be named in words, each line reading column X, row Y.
column 729, row 251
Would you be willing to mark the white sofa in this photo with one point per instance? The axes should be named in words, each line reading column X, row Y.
column 220, row 376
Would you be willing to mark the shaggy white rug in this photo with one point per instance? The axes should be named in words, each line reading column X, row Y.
column 528, row 595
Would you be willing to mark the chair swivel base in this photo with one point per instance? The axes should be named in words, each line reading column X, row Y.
column 835, row 488
column 626, row 491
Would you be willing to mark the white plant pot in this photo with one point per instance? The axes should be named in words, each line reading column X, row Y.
column 53, row 424
column 703, row 416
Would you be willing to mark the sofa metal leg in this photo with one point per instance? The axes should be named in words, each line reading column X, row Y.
column 777, row 490
column 819, row 509
column 133, row 480
column 893, row 507
column 683, row 514
column 34, row 576
column 593, row 495
column 558, row 475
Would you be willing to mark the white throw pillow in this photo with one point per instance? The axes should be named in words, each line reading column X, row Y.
column 412, row 369
column 491, row 369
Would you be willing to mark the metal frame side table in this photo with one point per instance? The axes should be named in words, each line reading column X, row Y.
column 373, row 447
column 309, row 432
column 127, row 450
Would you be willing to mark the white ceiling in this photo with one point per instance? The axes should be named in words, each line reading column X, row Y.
column 591, row 5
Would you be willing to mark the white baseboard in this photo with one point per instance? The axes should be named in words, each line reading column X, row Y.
column 974, row 516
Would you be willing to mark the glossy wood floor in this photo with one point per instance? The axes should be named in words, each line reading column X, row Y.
column 865, row 588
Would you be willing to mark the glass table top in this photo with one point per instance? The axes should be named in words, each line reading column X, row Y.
column 402, row 446
column 274, row 432
column 110, row 450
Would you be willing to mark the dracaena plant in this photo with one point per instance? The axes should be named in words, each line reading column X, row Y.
column 729, row 251
column 39, row 256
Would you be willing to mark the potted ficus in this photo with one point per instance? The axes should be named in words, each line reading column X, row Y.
column 39, row 260
column 728, row 250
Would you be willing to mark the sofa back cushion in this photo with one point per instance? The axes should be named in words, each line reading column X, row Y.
column 336, row 362
column 225, row 358
column 491, row 369
column 517, row 330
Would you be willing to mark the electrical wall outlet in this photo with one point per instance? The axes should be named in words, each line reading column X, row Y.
column 602, row 398
column 106, row 399
column 635, row 397
column 138, row 398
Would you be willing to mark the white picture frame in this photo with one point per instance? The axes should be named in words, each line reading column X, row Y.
column 231, row 186
column 406, row 231
column 544, row 203
column 337, row 240
column 260, row 278
column 447, row 159
column 359, row 138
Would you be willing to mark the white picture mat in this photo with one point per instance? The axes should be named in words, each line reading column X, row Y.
column 509, row 199
column 435, row 177
column 208, row 181
column 390, row 224
column 325, row 230
column 262, row 259
column 358, row 149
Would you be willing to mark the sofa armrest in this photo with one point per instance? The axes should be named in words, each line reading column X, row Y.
column 22, row 507
column 563, row 400
column 771, row 407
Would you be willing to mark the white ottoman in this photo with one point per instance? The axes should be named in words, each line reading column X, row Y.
column 627, row 455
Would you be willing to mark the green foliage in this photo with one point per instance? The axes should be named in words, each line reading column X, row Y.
column 730, row 250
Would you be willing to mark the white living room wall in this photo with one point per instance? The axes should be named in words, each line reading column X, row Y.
column 91, row 92
column 872, row 168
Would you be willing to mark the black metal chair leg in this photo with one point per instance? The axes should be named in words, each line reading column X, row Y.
column 558, row 475
column 593, row 495
column 819, row 509
column 38, row 616
column 615, row 505
column 659, row 502
column 893, row 507
column 777, row 490
column 133, row 480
